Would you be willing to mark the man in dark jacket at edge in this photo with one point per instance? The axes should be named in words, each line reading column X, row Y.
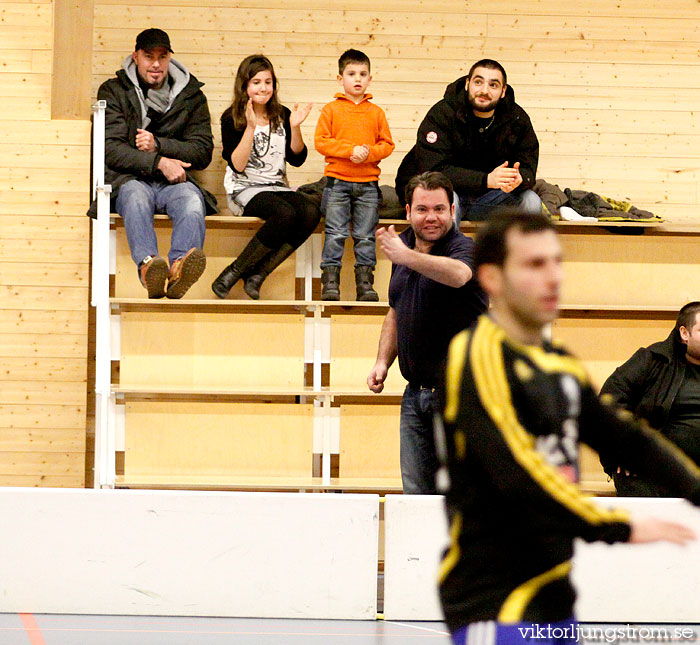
column 157, row 129
column 482, row 140
column 661, row 383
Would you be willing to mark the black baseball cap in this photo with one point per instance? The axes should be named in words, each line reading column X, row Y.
column 150, row 38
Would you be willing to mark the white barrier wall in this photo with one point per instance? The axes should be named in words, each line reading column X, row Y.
column 641, row 582
column 620, row 583
column 188, row 553
column 290, row 555
column 415, row 527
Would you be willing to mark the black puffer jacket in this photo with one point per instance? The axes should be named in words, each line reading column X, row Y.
column 647, row 385
column 183, row 132
column 449, row 141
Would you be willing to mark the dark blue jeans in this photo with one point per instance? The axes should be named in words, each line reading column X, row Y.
column 478, row 209
column 137, row 201
column 343, row 202
column 419, row 461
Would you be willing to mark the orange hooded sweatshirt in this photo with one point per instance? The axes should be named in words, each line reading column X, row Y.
column 344, row 125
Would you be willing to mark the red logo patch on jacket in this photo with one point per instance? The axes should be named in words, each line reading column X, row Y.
column 431, row 137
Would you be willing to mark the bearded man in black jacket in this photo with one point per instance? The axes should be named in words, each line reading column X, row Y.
column 482, row 140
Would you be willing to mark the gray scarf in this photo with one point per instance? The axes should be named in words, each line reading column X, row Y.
column 159, row 99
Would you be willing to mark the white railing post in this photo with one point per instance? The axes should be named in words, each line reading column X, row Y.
column 104, row 476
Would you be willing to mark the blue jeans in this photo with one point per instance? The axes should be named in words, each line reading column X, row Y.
column 477, row 209
column 345, row 201
column 138, row 200
column 563, row 632
column 419, row 461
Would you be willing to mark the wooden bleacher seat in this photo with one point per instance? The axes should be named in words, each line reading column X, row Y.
column 193, row 363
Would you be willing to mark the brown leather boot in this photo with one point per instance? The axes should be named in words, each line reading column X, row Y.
column 184, row 272
column 153, row 273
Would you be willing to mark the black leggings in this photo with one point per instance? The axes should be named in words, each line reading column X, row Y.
column 290, row 217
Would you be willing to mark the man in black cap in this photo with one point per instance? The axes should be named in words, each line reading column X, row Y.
column 157, row 130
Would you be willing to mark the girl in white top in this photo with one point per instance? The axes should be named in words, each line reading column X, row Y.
column 259, row 137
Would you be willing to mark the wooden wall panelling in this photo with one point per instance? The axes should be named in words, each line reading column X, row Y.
column 73, row 26
column 42, row 322
column 584, row 74
column 28, row 367
column 62, row 228
column 44, row 183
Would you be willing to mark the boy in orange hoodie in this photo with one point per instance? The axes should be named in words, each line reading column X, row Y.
column 354, row 136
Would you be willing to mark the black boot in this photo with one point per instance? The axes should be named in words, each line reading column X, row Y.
column 330, row 281
column 265, row 268
column 250, row 255
column 364, row 279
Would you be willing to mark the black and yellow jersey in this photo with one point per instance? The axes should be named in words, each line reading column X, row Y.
column 513, row 418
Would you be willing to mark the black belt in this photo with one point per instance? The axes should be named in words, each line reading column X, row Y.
column 422, row 386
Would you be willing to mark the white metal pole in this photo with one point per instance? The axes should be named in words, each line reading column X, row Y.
column 104, row 476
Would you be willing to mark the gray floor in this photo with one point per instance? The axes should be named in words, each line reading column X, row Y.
column 154, row 630
column 43, row 629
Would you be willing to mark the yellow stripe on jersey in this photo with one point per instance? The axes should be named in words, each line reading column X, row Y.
column 549, row 362
column 517, row 601
column 492, row 386
column 456, row 355
column 452, row 556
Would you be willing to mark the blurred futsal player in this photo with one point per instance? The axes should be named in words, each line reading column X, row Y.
column 515, row 409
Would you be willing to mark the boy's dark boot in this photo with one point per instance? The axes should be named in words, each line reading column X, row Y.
column 249, row 257
column 330, row 283
column 364, row 279
column 264, row 268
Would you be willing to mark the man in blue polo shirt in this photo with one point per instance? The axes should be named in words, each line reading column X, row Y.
column 432, row 296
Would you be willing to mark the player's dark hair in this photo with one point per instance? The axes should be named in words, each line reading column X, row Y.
column 489, row 63
column 430, row 180
column 490, row 245
column 352, row 56
column 686, row 317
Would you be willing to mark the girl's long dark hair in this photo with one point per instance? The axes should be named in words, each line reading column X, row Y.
column 248, row 68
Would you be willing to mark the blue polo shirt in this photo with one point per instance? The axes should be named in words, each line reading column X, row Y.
column 428, row 313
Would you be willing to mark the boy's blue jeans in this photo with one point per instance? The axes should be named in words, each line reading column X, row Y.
column 138, row 200
column 343, row 202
